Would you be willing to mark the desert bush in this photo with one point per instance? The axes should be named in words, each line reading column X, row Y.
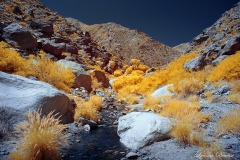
column 193, row 99
column 230, row 122
column 129, row 98
column 11, row 61
column 40, row 137
column 171, row 74
column 153, row 103
column 183, row 110
column 117, row 73
column 228, row 69
column 50, row 72
column 38, row 66
column 189, row 86
column 89, row 109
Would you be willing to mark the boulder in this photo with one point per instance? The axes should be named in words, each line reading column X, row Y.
column 200, row 38
column 23, row 94
column 139, row 129
column 211, row 32
column 101, row 78
column 41, row 26
column 163, row 91
column 231, row 46
column 71, row 49
column 19, row 36
column 195, row 64
column 54, row 48
column 218, row 60
column 57, row 39
column 17, row 10
column 83, row 79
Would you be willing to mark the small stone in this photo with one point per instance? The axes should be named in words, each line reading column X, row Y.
column 77, row 141
column 132, row 155
column 86, row 127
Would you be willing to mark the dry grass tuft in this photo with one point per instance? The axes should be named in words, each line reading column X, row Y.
column 189, row 86
column 41, row 137
column 89, row 109
column 129, row 98
column 230, row 122
column 209, row 94
column 182, row 131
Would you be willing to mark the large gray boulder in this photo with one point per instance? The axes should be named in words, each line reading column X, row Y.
column 83, row 79
column 22, row 94
column 195, row 64
column 139, row 129
column 231, row 46
column 19, row 36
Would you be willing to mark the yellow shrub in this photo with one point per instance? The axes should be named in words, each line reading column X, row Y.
column 128, row 98
column 189, row 86
column 50, row 72
column 227, row 69
column 171, row 74
column 182, row 131
column 151, row 102
column 193, row 98
column 117, row 73
column 89, row 109
column 112, row 64
column 230, row 122
column 11, row 61
column 41, row 137
column 184, row 111
column 40, row 67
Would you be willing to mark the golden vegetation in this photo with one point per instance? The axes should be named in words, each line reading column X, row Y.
column 128, row 98
column 88, row 109
column 227, row 69
column 38, row 66
column 230, row 122
column 41, row 137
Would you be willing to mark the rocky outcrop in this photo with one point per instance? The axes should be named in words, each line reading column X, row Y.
column 222, row 38
column 19, row 36
column 138, row 129
column 182, row 48
column 45, row 27
column 23, row 94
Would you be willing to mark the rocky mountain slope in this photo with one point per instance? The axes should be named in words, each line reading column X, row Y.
column 219, row 40
column 128, row 44
column 186, row 115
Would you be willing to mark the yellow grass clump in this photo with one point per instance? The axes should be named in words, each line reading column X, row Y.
column 189, row 86
column 89, row 109
column 228, row 69
column 41, row 137
column 230, row 122
column 128, row 98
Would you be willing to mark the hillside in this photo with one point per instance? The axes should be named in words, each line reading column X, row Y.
column 69, row 90
column 129, row 44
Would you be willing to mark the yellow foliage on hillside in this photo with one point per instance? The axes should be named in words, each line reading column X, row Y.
column 227, row 69
column 38, row 66
column 140, row 84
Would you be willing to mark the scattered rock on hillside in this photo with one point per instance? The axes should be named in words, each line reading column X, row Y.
column 23, row 94
column 195, row 64
column 231, row 46
column 19, row 36
column 51, row 47
column 138, row 129
column 45, row 27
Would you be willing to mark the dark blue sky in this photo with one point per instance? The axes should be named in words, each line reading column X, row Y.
column 168, row 21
